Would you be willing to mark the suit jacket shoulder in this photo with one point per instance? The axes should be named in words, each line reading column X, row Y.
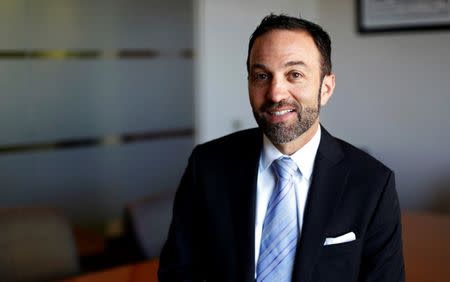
column 362, row 165
column 212, row 231
column 240, row 142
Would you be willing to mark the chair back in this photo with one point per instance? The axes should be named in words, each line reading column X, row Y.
column 149, row 220
column 36, row 244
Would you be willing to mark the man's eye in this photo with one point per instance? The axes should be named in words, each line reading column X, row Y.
column 261, row 76
column 295, row 75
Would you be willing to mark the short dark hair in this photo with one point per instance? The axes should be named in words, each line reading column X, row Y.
column 284, row 22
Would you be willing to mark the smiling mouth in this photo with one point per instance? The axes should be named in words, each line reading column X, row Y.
column 280, row 113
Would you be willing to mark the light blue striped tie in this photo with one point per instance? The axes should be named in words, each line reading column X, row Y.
column 280, row 230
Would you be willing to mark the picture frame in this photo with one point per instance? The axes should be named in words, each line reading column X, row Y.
column 402, row 15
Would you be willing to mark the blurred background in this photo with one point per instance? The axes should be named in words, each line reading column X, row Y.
column 101, row 102
column 81, row 76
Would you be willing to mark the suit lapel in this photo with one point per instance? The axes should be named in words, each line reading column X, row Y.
column 329, row 177
column 243, row 204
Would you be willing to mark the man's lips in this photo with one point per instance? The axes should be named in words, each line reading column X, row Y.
column 280, row 112
column 279, row 115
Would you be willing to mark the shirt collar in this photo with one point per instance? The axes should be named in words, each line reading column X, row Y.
column 303, row 158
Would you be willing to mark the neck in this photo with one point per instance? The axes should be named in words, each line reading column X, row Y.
column 296, row 144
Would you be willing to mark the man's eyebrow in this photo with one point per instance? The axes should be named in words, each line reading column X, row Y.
column 295, row 63
column 288, row 64
column 258, row 66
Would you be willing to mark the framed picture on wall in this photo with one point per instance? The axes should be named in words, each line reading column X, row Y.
column 396, row 15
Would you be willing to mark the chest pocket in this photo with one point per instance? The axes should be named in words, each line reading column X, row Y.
column 338, row 262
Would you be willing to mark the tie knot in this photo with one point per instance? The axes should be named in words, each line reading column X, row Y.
column 284, row 168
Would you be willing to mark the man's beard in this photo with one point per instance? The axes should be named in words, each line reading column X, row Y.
column 285, row 132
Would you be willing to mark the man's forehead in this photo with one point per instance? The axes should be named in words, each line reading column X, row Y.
column 285, row 48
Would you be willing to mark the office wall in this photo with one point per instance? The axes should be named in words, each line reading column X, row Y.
column 84, row 88
column 392, row 98
column 392, row 95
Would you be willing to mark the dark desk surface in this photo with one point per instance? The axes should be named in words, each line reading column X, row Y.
column 426, row 246
column 426, row 242
column 139, row 272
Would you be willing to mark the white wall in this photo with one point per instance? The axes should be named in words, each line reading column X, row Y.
column 221, row 35
column 393, row 98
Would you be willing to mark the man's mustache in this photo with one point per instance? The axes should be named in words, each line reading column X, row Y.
column 270, row 106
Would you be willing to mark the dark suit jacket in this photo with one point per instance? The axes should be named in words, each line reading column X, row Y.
column 211, row 236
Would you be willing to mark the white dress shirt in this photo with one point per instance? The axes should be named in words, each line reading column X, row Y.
column 304, row 158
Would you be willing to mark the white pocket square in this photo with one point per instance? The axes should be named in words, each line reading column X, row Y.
column 350, row 236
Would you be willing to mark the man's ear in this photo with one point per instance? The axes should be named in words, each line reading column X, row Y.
column 328, row 84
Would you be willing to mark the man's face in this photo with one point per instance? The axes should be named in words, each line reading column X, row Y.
column 285, row 84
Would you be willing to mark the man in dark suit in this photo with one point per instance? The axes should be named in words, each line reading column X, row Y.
column 286, row 201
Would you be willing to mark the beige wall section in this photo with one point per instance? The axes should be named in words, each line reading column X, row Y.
column 393, row 98
column 221, row 35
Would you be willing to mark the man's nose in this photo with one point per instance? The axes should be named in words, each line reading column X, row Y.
column 277, row 90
